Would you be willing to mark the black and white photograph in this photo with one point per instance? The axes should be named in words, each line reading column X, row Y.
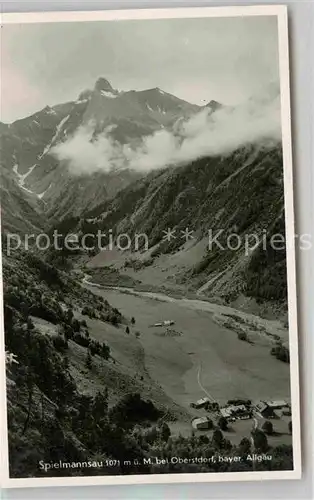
column 149, row 328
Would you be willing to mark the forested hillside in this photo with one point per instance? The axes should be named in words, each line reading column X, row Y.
column 51, row 419
column 239, row 194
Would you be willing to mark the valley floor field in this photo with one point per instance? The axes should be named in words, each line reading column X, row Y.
column 196, row 356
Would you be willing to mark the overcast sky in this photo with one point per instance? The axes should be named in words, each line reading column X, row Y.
column 226, row 59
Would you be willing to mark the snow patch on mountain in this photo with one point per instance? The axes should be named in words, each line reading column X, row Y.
column 22, row 177
column 58, row 130
column 81, row 101
column 50, row 111
column 41, row 195
column 108, row 94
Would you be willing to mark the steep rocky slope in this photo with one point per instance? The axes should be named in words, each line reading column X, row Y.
column 238, row 197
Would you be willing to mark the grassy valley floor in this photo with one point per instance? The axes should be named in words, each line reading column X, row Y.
column 198, row 356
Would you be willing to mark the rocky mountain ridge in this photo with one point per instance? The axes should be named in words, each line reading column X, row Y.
column 27, row 145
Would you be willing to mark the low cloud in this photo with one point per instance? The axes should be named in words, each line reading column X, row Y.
column 204, row 134
column 86, row 154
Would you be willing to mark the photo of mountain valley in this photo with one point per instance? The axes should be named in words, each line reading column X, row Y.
column 143, row 248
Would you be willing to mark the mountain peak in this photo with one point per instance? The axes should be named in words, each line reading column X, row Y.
column 214, row 105
column 103, row 84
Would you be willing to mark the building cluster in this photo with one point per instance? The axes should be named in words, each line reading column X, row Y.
column 270, row 409
column 238, row 409
column 202, row 423
column 233, row 412
column 166, row 322
column 206, row 404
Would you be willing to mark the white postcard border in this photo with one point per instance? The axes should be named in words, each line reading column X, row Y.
column 174, row 13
